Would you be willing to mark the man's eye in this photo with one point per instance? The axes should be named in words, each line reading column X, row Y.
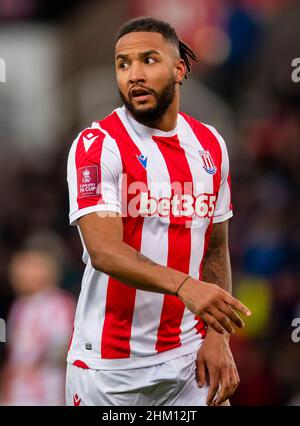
column 123, row 65
column 149, row 61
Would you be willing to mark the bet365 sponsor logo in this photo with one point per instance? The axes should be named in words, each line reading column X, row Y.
column 2, row 331
column 2, row 71
column 184, row 205
column 296, row 70
column 296, row 332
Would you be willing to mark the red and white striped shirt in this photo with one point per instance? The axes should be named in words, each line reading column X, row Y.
column 169, row 188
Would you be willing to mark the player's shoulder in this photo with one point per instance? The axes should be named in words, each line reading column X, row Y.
column 92, row 136
column 92, row 144
column 204, row 130
column 86, row 146
column 89, row 135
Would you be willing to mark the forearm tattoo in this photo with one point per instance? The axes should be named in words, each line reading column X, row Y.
column 216, row 268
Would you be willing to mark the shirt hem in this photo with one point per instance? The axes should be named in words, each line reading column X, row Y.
column 223, row 217
column 92, row 209
column 136, row 362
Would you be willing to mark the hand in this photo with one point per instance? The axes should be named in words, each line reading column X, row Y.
column 213, row 304
column 215, row 358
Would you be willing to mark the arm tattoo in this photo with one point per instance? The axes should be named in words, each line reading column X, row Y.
column 216, row 264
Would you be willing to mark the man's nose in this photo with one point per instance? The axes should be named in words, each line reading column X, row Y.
column 136, row 73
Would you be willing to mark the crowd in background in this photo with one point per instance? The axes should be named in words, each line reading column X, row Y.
column 248, row 94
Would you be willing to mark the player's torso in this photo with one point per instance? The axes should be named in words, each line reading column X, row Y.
column 169, row 183
column 170, row 177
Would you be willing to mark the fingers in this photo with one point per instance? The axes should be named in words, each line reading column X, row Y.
column 213, row 386
column 236, row 304
column 200, row 371
column 219, row 317
column 222, row 319
column 210, row 320
column 224, row 389
column 235, row 380
column 233, row 316
column 226, row 403
column 229, row 381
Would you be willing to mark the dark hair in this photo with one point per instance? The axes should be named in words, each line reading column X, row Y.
column 149, row 24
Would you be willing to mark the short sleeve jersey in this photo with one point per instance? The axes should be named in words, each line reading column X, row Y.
column 169, row 188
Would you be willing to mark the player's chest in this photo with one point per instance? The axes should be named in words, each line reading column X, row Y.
column 166, row 165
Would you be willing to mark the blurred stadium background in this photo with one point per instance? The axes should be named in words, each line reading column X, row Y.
column 59, row 78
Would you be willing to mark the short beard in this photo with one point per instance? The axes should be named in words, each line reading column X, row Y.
column 164, row 98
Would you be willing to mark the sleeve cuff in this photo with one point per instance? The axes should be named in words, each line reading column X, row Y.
column 97, row 208
column 222, row 217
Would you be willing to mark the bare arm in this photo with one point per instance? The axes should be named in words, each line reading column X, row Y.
column 103, row 236
column 216, row 264
column 215, row 356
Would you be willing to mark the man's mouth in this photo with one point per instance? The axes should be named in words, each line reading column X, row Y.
column 140, row 94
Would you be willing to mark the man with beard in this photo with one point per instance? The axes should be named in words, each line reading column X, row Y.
column 150, row 194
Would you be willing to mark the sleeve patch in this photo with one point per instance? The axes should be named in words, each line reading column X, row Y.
column 88, row 181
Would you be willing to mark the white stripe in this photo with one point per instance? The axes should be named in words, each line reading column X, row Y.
column 90, row 312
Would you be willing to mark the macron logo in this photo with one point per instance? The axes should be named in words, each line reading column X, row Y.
column 88, row 140
column 76, row 400
column 143, row 160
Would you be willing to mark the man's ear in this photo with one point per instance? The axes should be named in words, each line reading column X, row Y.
column 180, row 71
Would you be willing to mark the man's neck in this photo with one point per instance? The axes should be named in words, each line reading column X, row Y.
column 166, row 123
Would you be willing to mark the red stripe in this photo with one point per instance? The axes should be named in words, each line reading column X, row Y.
column 209, row 163
column 179, row 245
column 120, row 298
column 81, row 364
column 90, row 158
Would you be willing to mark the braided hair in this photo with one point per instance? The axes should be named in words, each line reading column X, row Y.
column 149, row 24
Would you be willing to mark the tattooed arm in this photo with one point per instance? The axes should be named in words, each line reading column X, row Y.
column 216, row 264
column 215, row 355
